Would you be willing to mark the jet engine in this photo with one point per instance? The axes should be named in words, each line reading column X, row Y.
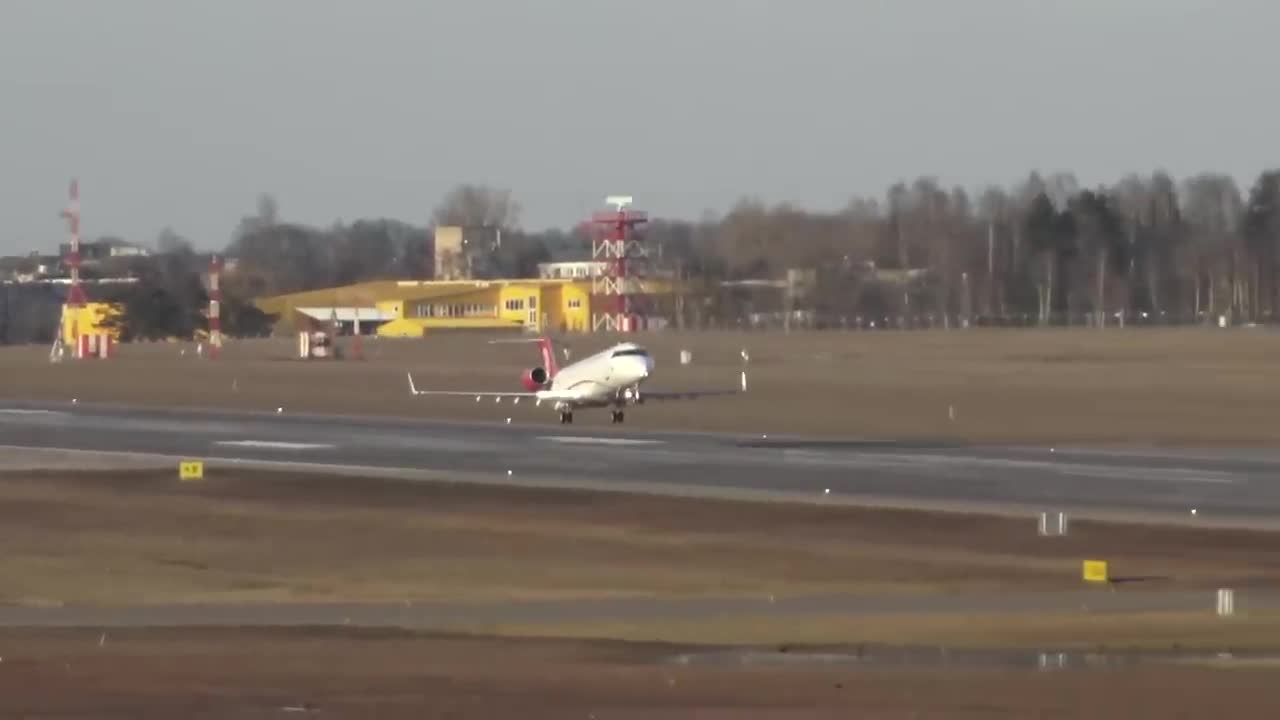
column 535, row 379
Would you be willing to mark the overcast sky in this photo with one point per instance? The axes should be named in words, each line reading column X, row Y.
column 180, row 113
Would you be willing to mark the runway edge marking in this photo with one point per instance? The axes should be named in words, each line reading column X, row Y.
column 589, row 440
column 275, row 445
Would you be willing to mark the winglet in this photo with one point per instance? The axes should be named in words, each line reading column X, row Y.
column 412, row 390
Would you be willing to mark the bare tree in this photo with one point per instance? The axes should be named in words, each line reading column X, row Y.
column 1099, row 233
column 1213, row 208
column 996, row 212
column 1261, row 231
column 478, row 206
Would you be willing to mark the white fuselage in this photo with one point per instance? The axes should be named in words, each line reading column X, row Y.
column 609, row 377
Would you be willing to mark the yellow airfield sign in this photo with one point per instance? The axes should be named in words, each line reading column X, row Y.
column 190, row 470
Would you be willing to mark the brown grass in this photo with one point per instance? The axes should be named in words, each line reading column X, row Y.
column 1078, row 631
column 139, row 537
column 319, row 673
column 1192, row 386
column 131, row 536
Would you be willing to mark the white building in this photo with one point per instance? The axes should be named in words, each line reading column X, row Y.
column 572, row 269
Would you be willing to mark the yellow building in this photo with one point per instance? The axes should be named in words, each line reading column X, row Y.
column 410, row 308
column 88, row 319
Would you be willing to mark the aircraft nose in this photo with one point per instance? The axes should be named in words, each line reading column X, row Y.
column 641, row 367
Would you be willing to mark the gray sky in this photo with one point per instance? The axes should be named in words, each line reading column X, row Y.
column 180, row 113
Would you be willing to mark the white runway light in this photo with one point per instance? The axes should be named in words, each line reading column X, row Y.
column 279, row 410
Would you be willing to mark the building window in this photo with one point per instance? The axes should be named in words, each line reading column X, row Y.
column 533, row 302
column 515, row 305
column 575, row 303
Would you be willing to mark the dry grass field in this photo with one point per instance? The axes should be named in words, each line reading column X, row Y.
column 1179, row 386
column 142, row 537
column 179, row 673
column 136, row 536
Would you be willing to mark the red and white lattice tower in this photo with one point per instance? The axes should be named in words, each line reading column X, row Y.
column 621, row 260
column 76, row 295
column 215, row 307
column 75, row 298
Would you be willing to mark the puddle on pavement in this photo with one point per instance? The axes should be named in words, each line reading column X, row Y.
column 938, row 657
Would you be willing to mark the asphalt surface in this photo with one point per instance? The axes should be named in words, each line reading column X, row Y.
column 1229, row 487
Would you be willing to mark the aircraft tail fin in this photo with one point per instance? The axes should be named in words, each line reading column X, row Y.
column 545, row 346
column 548, row 357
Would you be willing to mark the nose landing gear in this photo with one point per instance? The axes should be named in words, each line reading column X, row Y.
column 566, row 417
column 618, row 416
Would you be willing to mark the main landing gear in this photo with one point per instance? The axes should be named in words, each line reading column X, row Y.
column 566, row 417
column 618, row 417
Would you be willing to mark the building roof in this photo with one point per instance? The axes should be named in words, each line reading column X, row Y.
column 347, row 314
column 367, row 293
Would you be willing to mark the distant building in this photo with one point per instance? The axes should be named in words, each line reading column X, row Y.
column 450, row 263
column 574, row 269
column 465, row 253
column 587, row 269
column 411, row 308
column 103, row 249
column 28, row 268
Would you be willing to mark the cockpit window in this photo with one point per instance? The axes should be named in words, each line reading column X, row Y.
column 629, row 351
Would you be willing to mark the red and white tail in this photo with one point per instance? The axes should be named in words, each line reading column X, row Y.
column 548, row 353
column 548, row 357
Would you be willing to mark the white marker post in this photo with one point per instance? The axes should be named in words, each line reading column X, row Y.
column 1052, row 524
column 1226, row 602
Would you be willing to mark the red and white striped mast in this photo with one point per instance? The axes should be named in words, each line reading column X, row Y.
column 215, row 306
column 75, row 296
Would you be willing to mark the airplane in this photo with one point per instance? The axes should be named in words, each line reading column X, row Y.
column 609, row 378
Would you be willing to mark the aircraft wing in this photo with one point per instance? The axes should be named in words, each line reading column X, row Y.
column 413, row 390
column 647, row 395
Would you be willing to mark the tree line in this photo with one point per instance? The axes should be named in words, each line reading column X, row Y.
column 1045, row 250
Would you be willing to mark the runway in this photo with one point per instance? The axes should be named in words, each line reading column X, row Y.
column 1224, row 487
